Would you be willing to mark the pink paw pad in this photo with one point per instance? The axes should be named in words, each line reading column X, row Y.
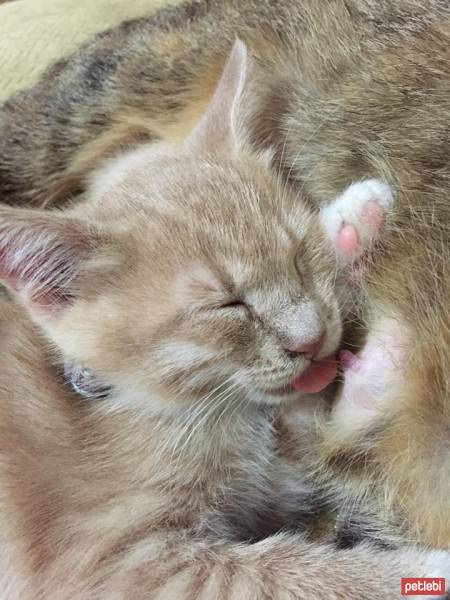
column 354, row 221
column 348, row 240
column 371, row 221
column 373, row 216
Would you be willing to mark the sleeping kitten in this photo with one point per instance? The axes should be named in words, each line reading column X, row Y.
column 209, row 310
column 361, row 89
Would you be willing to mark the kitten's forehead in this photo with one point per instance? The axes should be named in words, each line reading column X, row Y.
column 228, row 210
column 167, row 177
column 267, row 267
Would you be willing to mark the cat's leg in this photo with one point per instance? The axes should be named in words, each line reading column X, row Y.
column 355, row 220
column 282, row 567
column 374, row 377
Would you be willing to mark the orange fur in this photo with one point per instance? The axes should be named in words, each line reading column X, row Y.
column 173, row 486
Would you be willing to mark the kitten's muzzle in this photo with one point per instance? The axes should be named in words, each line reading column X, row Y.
column 308, row 349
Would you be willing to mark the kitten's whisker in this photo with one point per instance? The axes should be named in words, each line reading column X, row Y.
column 200, row 415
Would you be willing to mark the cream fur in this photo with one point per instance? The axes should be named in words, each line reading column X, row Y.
column 176, row 485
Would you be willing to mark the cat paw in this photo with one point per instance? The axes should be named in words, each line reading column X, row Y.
column 374, row 377
column 354, row 221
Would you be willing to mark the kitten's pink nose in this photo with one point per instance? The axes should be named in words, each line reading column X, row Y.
column 308, row 349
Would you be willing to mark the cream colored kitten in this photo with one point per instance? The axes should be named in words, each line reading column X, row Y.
column 211, row 312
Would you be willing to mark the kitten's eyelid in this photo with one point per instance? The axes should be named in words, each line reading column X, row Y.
column 234, row 303
column 232, row 299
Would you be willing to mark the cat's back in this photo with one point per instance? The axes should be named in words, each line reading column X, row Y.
column 152, row 78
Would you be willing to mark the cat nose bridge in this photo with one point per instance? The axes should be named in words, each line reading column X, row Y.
column 300, row 329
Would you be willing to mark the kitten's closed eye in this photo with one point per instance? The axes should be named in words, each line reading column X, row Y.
column 238, row 304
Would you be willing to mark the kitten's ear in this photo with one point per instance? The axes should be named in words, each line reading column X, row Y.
column 222, row 124
column 41, row 257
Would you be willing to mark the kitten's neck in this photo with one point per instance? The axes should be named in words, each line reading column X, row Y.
column 219, row 439
column 194, row 444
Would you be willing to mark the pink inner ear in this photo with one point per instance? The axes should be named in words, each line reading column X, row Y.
column 39, row 260
column 40, row 276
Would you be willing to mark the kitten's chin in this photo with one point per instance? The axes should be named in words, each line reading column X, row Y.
column 275, row 397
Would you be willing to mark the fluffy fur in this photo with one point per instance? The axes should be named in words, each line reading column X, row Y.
column 175, row 485
column 100, row 504
column 360, row 89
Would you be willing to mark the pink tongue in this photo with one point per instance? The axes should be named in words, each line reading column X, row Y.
column 317, row 376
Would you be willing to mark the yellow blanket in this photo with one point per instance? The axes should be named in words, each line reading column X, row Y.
column 35, row 33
